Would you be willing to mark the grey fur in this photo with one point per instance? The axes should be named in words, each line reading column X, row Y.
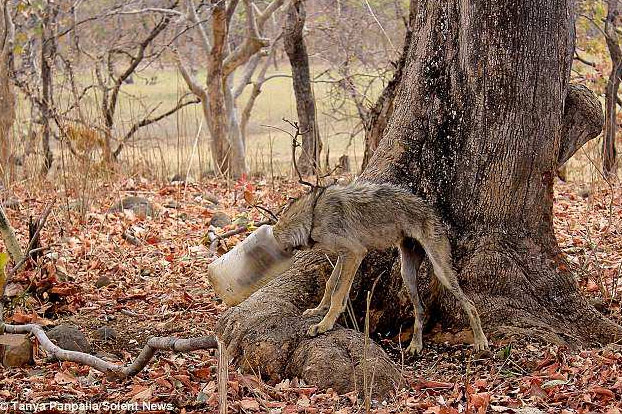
column 349, row 221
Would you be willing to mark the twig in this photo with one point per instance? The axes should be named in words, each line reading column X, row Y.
column 272, row 217
column 153, row 345
column 215, row 238
column 32, row 242
column 9, row 238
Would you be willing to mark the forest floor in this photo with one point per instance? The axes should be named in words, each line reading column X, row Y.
column 159, row 288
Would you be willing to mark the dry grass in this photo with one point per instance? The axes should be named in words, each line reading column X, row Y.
column 167, row 147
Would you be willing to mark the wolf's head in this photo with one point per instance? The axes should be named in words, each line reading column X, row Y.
column 292, row 230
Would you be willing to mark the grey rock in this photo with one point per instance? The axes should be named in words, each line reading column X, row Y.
column 69, row 337
column 220, row 219
column 212, row 198
column 106, row 333
column 139, row 205
column 102, row 281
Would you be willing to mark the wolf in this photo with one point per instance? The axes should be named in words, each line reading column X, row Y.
column 350, row 220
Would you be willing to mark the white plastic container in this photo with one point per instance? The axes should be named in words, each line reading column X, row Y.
column 248, row 266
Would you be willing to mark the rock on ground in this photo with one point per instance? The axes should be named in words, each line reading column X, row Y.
column 69, row 337
column 220, row 219
column 106, row 333
column 15, row 350
column 102, row 281
column 139, row 205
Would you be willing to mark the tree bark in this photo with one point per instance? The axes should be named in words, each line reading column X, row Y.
column 7, row 97
column 48, row 52
column 614, row 7
column 477, row 130
column 309, row 159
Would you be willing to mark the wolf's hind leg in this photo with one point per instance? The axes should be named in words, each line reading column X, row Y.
column 350, row 264
column 439, row 252
column 411, row 255
column 322, row 308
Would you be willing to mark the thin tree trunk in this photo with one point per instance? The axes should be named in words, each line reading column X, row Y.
column 48, row 52
column 7, row 97
column 476, row 131
column 309, row 158
column 614, row 8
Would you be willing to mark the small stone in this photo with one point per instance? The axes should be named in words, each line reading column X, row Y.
column 15, row 350
column 599, row 303
column 584, row 192
column 106, row 333
column 139, row 205
column 102, row 281
column 69, row 337
column 528, row 410
column 220, row 219
column 212, row 198
column 13, row 289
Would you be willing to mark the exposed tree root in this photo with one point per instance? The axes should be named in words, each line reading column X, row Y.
column 266, row 333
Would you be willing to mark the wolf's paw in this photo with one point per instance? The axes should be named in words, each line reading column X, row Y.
column 415, row 347
column 319, row 328
column 319, row 311
column 481, row 344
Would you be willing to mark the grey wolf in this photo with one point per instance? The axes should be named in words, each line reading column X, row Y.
column 353, row 219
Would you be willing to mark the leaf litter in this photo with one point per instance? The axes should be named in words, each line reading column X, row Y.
column 92, row 276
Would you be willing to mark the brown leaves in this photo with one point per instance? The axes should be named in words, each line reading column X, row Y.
column 159, row 287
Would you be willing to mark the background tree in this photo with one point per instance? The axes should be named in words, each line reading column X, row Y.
column 7, row 97
column 612, row 27
column 479, row 118
column 217, row 97
column 294, row 42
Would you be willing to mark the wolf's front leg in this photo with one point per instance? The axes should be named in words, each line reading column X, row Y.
column 350, row 263
column 322, row 308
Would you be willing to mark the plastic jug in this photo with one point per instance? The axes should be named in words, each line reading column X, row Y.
column 248, row 266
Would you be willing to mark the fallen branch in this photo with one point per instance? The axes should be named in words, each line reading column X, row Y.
column 153, row 345
column 9, row 238
column 32, row 242
column 8, row 235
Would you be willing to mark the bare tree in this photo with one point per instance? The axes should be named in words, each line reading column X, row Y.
column 48, row 55
column 612, row 25
column 7, row 97
column 309, row 158
column 217, row 95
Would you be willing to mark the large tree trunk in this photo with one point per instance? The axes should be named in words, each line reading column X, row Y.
column 479, row 120
column 614, row 9
column 309, row 159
